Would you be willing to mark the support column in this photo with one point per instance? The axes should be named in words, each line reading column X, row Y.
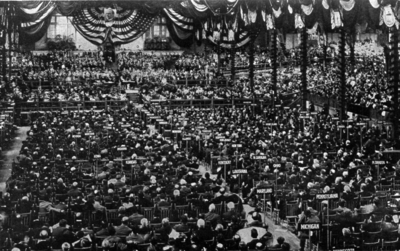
column 10, row 17
column 4, row 27
column 219, row 55
column 274, row 57
column 233, row 71
column 251, row 64
column 342, row 75
column 352, row 52
column 394, row 80
column 304, row 59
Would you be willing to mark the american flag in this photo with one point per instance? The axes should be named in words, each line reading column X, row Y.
column 128, row 25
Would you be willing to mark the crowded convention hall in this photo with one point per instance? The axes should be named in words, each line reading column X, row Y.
column 199, row 125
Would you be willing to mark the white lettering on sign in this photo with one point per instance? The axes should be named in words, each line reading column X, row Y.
column 276, row 165
column 270, row 124
column 131, row 162
column 224, row 162
column 125, row 126
column 309, row 226
column 378, row 162
column 360, row 124
column 341, row 126
column 76, row 136
column 89, row 134
column 239, row 171
column 328, row 196
column 237, row 145
column 225, row 140
column 265, row 190
column 122, row 149
column 176, row 131
column 259, row 157
column 163, row 123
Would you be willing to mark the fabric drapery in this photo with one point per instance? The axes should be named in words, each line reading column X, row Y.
column 126, row 26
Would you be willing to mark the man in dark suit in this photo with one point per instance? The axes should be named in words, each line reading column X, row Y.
column 183, row 226
column 163, row 202
column 212, row 216
column 123, row 229
column 252, row 244
column 135, row 218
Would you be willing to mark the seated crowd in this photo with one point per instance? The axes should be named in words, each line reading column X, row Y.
column 302, row 159
column 86, row 179
column 158, row 201
column 87, row 77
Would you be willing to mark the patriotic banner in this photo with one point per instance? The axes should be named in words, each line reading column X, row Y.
column 121, row 25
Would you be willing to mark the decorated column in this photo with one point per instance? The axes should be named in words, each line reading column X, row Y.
column 342, row 75
column 10, row 28
column 274, row 57
column 251, row 66
column 233, row 62
column 304, row 60
column 394, row 78
column 3, row 42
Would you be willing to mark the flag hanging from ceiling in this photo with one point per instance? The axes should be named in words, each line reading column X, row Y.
column 122, row 26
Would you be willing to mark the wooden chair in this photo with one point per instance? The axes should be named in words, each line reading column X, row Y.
column 219, row 208
column 182, row 209
column 112, row 216
column 390, row 245
column 165, row 212
column 44, row 217
column 292, row 213
column 25, row 218
column 148, row 212
column 365, row 200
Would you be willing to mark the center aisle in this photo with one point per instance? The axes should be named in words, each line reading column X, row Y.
column 10, row 154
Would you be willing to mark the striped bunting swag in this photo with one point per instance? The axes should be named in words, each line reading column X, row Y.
column 128, row 25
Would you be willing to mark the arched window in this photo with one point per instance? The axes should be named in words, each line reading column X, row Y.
column 159, row 29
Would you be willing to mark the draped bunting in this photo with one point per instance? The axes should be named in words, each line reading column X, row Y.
column 189, row 19
column 34, row 33
column 34, row 18
column 126, row 26
column 180, row 28
column 182, row 22
column 181, row 37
